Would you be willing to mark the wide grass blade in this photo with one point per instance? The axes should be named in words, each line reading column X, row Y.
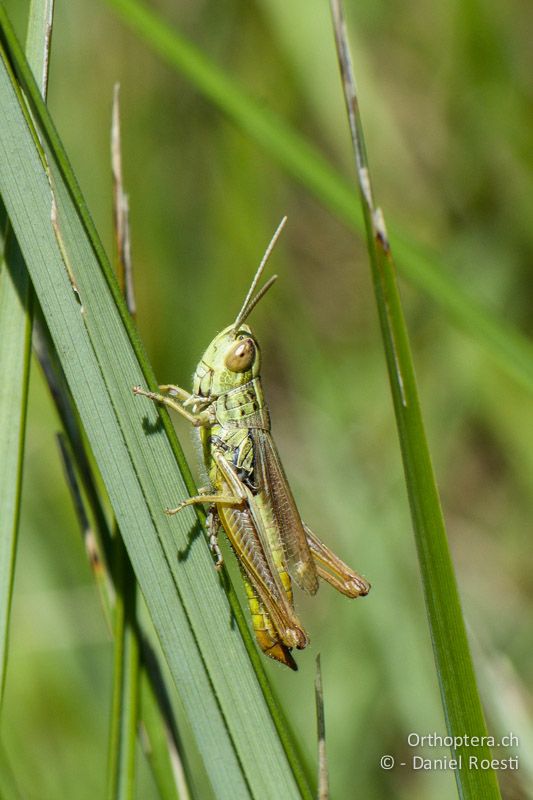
column 460, row 697
column 15, row 345
column 136, row 451
column 512, row 351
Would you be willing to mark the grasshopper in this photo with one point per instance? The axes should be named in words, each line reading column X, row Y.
column 249, row 496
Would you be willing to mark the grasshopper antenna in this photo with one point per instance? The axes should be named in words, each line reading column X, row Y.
column 249, row 303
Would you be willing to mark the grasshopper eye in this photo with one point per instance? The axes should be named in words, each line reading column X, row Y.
column 240, row 355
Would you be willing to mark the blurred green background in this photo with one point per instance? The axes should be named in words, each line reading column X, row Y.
column 444, row 94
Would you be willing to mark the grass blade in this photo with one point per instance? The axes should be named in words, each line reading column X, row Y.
column 323, row 776
column 123, row 723
column 15, row 340
column 15, row 345
column 102, row 360
column 162, row 746
column 123, row 718
column 508, row 347
column 121, row 765
column 160, row 736
column 460, row 697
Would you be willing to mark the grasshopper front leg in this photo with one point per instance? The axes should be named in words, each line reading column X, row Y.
column 201, row 418
column 176, row 391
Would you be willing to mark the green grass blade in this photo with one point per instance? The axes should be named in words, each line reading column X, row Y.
column 121, row 767
column 15, row 345
column 123, row 717
column 459, row 692
column 123, row 722
column 135, row 449
column 15, row 340
column 38, row 38
column 163, row 750
column 512, row 351
column 160, row 736
column 66, row 411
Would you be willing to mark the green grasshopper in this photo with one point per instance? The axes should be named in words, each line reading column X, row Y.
column 249, row 495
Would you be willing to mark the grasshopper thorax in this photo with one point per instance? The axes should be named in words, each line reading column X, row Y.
column 232, row 359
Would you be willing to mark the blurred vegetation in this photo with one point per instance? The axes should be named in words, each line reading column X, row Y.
column 444, row 101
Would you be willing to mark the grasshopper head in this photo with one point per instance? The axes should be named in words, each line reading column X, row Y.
column 232, row 359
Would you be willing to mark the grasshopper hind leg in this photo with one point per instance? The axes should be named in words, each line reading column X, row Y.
column 265, row 632
column 332, row 569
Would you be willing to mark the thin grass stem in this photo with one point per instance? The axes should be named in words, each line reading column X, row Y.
column 457, row 681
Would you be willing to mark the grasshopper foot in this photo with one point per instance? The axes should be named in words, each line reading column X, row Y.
column 140, row 390
column 171, row 511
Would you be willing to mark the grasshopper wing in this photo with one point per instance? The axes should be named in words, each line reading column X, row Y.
column 273, row 481
column 254, row 536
